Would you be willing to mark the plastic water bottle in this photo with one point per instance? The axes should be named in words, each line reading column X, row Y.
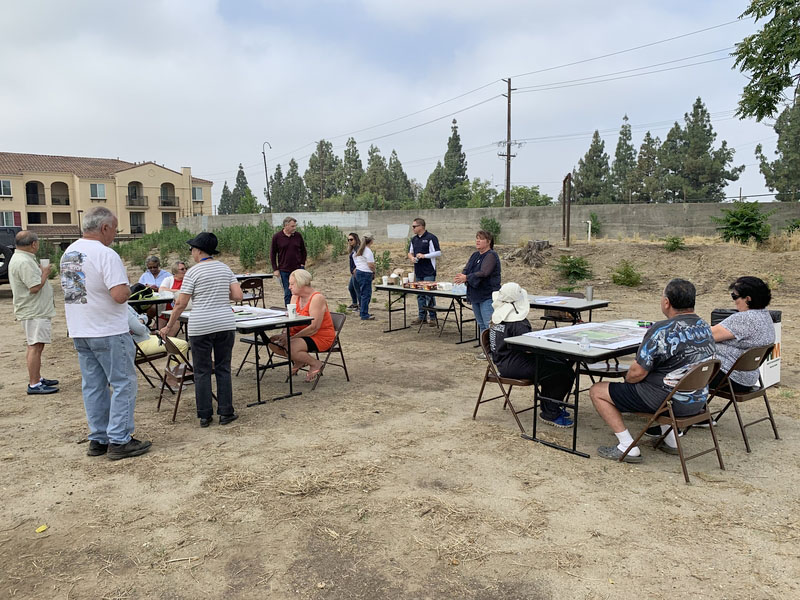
column 584, row 343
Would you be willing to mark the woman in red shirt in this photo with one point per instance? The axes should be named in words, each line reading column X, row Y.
column 314, row 337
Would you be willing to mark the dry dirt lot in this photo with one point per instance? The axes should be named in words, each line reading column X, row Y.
column 384, row 487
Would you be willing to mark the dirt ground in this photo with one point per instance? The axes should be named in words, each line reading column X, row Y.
column 384, row 487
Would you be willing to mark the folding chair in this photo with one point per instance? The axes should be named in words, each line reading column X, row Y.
column 141, row 358
column 696, row 378
column 253, row 291
column 750, row 360
column 434, row 313
column 493, row 375
column 252, row 341
column 602, row 369
column 336, row 347
column 178, row 371
column 555, row 316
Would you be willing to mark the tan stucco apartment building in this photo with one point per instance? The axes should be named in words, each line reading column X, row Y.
column 42, row 190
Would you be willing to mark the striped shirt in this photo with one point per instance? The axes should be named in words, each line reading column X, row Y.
column 209, row 285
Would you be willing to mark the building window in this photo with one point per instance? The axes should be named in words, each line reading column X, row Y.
column 37, row 218
column 197, row 194
column 7, row 218
column 62, row 218
column 169, row 220
column 97, row 190
column 138, row 223
column 5, row 187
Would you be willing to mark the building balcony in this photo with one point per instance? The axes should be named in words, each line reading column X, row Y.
column 59, row 200
column 35, row 200
column 136, row 201
column 169, row 202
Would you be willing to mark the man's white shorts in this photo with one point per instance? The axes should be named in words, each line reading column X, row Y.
column 37, row 331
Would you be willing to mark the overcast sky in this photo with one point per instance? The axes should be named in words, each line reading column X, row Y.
column 204, row 83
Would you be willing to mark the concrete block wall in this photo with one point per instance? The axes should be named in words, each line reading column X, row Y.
column 517, row 223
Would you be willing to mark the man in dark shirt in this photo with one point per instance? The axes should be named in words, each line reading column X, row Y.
column 287, row 253
column 668, row 350
column 422, row 252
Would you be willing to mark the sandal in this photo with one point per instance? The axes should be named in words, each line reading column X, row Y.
column 312, row 375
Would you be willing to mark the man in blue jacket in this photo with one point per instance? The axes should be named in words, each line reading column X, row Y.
column 423, row 251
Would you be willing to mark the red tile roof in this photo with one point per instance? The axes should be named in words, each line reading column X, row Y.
column 56, row 229
column 12, row 163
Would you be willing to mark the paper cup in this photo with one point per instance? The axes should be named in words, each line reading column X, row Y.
column 291, row 310
column 405, row 280
column 45, row 262
column 411, row 278
column 385, row 279
column 589, row 292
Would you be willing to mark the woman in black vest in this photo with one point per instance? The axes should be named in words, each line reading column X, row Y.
column 482, row 276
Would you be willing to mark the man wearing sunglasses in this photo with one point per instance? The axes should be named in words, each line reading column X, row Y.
column 423, row 251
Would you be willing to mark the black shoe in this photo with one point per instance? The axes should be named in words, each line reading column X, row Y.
column 418, row 321
column 653, row 432
column 50, row 382
column 225, row 419
column 96, row 448
column 133, row 448
column 207, row 422
column 41, row 389
column 353, row 307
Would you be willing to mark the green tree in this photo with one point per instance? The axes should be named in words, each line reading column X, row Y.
column 769, row 58
column 321, row 176
column 706, row 171
column 351, row 171
column 376, row 178
column 240, row 190
column 278, row 191
column 529, row 196
column 647, row 176
column 783, row 174
column 225, row 204
column 401, row 193
column 591, row 179
column 455, row 161
column 482, row 194
column 624, row 168
column 296, row 197
column 432, row 195
column 248, row 204
column 671, row 155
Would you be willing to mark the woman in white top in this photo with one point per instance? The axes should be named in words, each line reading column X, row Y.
column 365, row 272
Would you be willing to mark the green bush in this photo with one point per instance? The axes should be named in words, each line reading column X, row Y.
column 792, row 226
column 492, row 226
column 743, row 222
column 595, row 225
column 383, row 263
column 573, row 268
column 626, row 274
column 49, row 250
column 673, row 243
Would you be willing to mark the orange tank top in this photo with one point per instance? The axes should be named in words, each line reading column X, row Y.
column 325, row 334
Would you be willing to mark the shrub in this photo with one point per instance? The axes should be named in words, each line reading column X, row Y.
column 743, row 222
column 792, row 226
column 626, row 274
column 673, row 243
column 383, row 263
column 573, row 268
column 492, row 226
column 48, row 250
column 595, row 225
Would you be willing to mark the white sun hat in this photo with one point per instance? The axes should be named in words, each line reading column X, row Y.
column 510, row 303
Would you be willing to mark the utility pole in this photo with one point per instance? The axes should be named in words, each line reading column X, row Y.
column 508, row 156
column 266, row 173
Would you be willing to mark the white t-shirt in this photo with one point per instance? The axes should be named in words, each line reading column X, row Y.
column 208, row 283
column 88, row 271
column 361, row 261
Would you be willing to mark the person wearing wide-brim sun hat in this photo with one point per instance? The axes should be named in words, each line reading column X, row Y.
column 211, row 285
column 556, row 376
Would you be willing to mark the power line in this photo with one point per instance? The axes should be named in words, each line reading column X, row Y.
column 648, row 45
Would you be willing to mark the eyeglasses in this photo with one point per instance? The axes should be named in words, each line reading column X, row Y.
column 350, row 240
column 735, row 296
column 415, row 225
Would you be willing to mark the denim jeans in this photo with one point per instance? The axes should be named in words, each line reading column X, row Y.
column 104, row 362
column 425, row 301
column 364, row 283
column 221, row 343
column 355, row 292
column 287, row 293
column 483, row 314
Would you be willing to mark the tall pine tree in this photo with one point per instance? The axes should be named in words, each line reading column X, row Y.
column 432, row 196
column 296, row 197
column 225, row 204
column 351, row 171
column 401, row 195
column 648, row 181
column 278, row 195
column 783, row 174
column 322, row 174
column 591, row 184
column 240, row 190
column 671, row 156
column 375, row 185
column 623, row 171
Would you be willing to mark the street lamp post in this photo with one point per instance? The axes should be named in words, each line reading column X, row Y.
column 266, row 173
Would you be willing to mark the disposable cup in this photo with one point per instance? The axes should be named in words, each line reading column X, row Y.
column 291, row 310
column 589, row 292
column 411, row 278
column 385, row 279
column 405, row 280
column 45, row 262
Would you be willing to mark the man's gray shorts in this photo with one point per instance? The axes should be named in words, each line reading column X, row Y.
column 37, row 331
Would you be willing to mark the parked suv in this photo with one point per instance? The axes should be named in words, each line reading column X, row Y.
column 7, row 245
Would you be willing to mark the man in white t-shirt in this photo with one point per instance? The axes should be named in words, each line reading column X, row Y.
column 96, row 293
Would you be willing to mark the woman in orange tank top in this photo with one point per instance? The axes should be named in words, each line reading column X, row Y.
column 315, row 337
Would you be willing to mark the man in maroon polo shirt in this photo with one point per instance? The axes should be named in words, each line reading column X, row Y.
column 287, row 253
